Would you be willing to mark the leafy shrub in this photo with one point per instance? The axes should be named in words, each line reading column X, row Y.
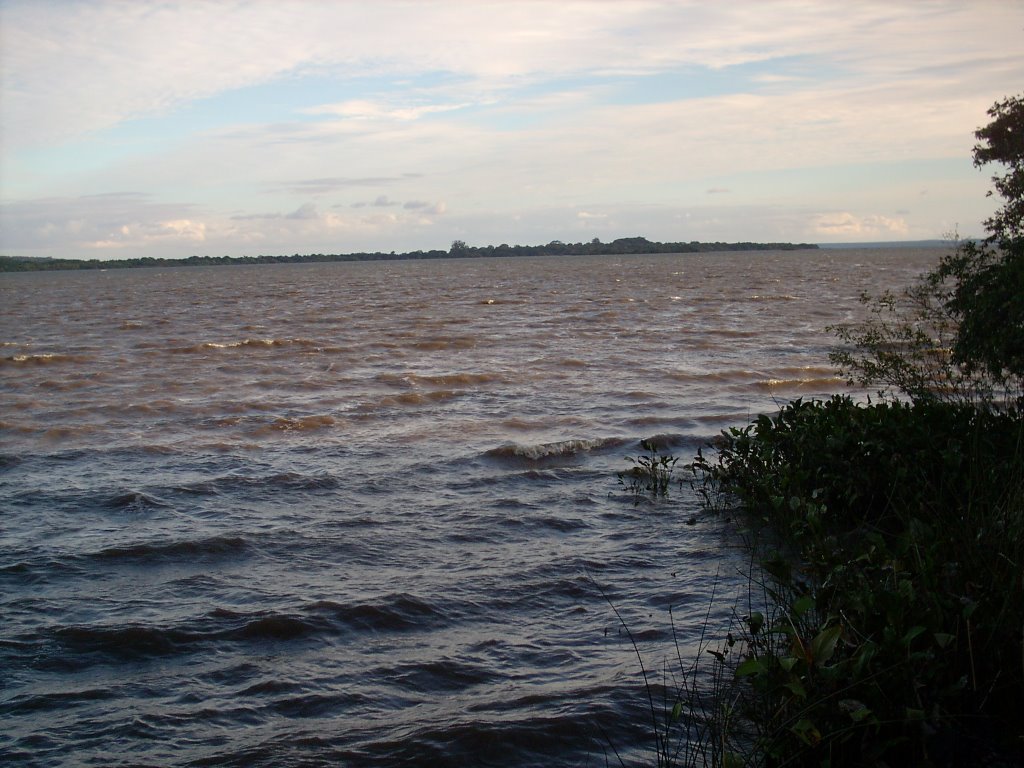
column 651, row 473
column 895, row 616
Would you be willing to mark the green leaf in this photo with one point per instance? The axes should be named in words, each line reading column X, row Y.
column 913, row 632
column 796, row 687
column 803, row 605
column 788, row 662
column 857, row 710
column 806, row 732
column 751, row 666
column 944, row 639
column 755, row 622
column 677, row 710
column 824, row 644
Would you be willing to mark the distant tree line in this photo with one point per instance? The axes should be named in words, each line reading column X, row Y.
column 459, row 250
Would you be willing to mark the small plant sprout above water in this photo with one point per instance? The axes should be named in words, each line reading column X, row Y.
column 651, row 473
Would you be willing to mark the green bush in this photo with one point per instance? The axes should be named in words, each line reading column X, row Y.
column 895, row 613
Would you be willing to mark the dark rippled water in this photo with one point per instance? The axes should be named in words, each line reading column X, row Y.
column 358, row 514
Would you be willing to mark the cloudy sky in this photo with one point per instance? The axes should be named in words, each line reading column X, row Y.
column 210, row 127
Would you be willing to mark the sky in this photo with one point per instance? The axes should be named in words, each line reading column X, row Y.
column 131, row 128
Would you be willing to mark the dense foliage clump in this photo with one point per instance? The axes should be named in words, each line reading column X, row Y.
column 896, row 580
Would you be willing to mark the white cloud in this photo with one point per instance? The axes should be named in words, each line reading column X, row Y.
column 502, row 109
column 361, row 109
column 83, row 67
column 848, row 226
column 303, row 212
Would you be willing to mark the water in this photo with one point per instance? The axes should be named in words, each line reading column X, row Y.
column 363, row 514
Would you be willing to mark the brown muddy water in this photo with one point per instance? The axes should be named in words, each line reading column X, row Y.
column 359, row 513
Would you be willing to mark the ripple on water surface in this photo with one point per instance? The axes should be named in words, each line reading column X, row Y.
column 368, row 514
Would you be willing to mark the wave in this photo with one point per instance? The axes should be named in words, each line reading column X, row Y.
column 440, row 343
column 134, row 501
column 540, row 729
column 821, row 385
column 69, row 432
column 7, row 460
column 21, row 429
column 441, row 380
column 666, row 440
column 544, row 454
column 48, row 358
column 206, row 346
column 302, row 423
column 725, row 376
column 397, row 612
column 288, row 481
column 440, row 676
column 275, row 628
column 76, row 643
column 760, row 297
column 200, row 548
column 58, row 700
column 78, row 646
column 420, row 398
column 39, row 570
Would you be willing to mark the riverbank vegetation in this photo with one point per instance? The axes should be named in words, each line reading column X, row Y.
column 885, row 620
column 459, row 250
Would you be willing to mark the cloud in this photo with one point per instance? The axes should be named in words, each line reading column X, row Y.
column 122, row 61
column 179, row 233
column 255, row 216
column 337, row 183
column 92, row 221
column 304, row 212
column 849, row 226
column 599, row 114
column 422, row 206
column 361, row 109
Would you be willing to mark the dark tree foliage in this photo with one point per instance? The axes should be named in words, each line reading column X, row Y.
column 1002, row 141
column 987, row 300
column 988, row 294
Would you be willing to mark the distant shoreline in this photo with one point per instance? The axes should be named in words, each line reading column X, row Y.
column 458, row 250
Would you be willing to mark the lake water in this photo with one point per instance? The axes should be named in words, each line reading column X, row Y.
column 364, row 513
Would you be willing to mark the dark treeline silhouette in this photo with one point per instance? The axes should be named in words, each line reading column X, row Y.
column 458, row 250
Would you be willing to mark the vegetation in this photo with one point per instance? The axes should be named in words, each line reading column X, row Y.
column 957, row 335
column 885, row 625
column 652, row 473
column 458, row 250
column 895, row 580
